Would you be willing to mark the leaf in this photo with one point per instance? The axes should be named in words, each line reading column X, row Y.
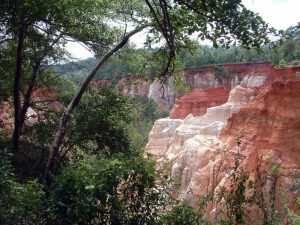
column 90, row 187
column 250, row 184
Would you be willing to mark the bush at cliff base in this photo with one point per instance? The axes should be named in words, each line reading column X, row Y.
column 107, row 191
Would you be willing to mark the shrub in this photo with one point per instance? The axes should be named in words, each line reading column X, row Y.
column 20, row 203
column 184, row 214
column 107, row 191
column 221, row 74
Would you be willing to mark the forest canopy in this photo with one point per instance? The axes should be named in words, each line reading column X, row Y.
column 120, row 66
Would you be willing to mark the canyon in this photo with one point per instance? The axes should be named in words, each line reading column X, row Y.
column 235, row 118
column 203, row 78
column 256, row 131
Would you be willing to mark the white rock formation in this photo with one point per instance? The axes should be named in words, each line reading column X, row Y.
column 253, row 81
column 165, row 95
column 186, row 144
column 160, row 136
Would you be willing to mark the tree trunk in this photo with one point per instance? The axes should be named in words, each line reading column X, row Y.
column 18, row 75
column 28, row 94
column 35, row 70
column 59, row 135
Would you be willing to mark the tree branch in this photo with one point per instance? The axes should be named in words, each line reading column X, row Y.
column 60, row 133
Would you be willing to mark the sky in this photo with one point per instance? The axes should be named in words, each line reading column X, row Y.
column 280, row 14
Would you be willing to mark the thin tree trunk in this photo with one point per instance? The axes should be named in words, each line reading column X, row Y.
column 18, row 75
column 35, row 70
column 59, row 135
column 28, row 94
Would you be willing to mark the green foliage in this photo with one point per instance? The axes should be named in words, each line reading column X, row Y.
column 6, row 69
column 205, row 55
column 66, row 18
column 184, row 214
column 282, row 63
column 144, row 113
column 114, row 69
column 238, row 195
column 106, row 191
column 180, row 84
column 294, row 218
column 275, row 170
column 65, row 89
column 143, row 62
column 99, row 123
column 105, row 123
column 221, row 74
column 236, row 199
column 20, row 203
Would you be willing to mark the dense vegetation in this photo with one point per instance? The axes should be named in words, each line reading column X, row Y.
column 81, row 161
column 122, row 66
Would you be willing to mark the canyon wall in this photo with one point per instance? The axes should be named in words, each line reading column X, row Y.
column 229, row 75
column 259, row 126
column 6, row 116
column 204, row 78
column 197, row 101
column 42, row 100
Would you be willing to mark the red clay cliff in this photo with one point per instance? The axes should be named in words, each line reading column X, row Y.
column 263, row 133
column 197, row 101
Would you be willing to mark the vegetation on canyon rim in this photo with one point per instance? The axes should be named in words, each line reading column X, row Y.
column 84, row 165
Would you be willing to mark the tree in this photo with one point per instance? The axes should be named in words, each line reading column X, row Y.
column 99, row 124
column 35, row 32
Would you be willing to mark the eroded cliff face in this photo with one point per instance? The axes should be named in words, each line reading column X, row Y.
column 6, row 116
column 260, row 125
column 42, row 100
column 97, row 84
column 134, row 86
column 163, row 94
column 225, row 76
column 183, row 142
column 198, row 101
column 233, row 74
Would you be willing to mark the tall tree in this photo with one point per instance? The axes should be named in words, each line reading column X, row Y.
column 38, row 30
